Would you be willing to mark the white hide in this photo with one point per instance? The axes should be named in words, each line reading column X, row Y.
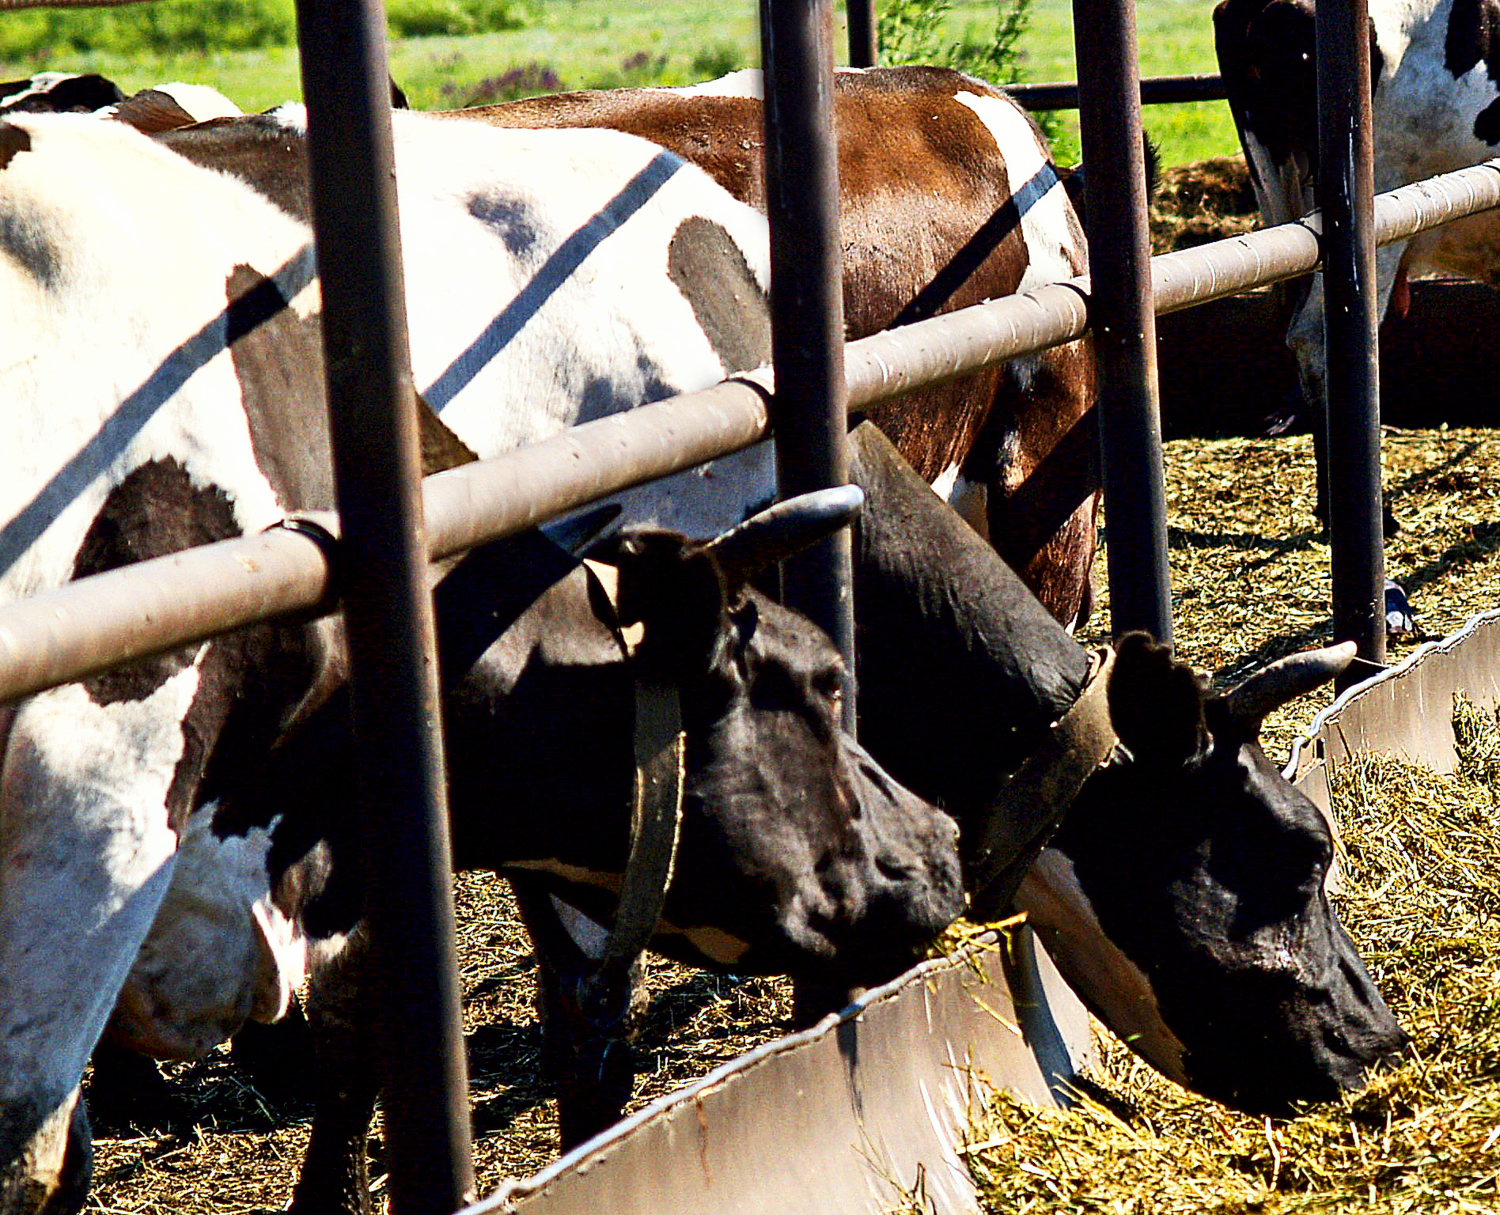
column 1054, row 243
column 614, row 333
column 1423, row 123
column 114, row 257
column 747, row 82
column 232, row 954
column 199, row 100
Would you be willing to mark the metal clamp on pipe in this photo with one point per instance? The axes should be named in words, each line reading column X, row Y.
column 322, row 528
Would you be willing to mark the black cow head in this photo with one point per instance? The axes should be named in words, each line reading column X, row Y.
column 797, row 854
column 1184, row 893
column 786, row 813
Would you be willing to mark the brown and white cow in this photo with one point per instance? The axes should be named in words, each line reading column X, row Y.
column 948, row 197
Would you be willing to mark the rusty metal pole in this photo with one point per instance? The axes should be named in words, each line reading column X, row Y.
column 808, row 409
column 1351, row 322
column 863, row 51
column 388, row 606
column 1124, row 321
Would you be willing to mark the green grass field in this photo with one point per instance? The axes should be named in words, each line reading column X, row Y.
column 604, row 43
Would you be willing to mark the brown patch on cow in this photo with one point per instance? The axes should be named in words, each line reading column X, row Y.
column 721, row 135
column 255, row 149
column 152, row 111
column 154, row 511
column 13, row 140
column 710, row 270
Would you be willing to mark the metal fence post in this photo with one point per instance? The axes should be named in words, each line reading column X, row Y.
column 1351, row 320
column 808, row 410
column 863, row 51
column 388, row 607
column 1123, row 319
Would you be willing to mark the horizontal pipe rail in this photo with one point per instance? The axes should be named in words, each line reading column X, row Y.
column 1155, row 90
column 158, row 605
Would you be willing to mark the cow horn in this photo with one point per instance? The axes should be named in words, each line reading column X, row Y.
column 779, row 531
column 1284, row 680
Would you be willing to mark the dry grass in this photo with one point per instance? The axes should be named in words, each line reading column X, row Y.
column 226, row 1148
column 1250, row 577
column 1424, row 905
column 1201, row 202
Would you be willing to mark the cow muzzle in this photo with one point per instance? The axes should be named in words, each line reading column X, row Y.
column 905, row 888
column 48, row 1157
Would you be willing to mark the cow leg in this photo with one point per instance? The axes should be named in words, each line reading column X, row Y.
column 586, row 1026
column 335, row 1175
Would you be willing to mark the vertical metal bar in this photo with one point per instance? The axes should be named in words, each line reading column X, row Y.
column 862, row 49
column 807, row 300
column 1124, row 323
column 388, row 607
column 1345, row 186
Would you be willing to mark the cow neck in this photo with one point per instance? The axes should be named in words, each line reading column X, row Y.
column 660, row 748
column 1032, row 802
column 950, row 637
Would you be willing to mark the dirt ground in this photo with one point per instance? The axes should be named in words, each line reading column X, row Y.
column 1250, row 582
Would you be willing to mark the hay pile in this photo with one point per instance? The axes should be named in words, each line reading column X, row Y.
column 1424, row 905
column 1205, row 201
column 1250, row 575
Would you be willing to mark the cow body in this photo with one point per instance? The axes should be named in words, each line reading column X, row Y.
column 161, row 364
column 947, row 197
column 1435, row 108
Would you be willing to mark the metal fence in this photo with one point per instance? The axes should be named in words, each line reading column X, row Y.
column 159, row 605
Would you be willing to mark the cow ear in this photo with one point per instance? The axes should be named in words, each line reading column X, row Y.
column 1156, row 703
column 675, row 591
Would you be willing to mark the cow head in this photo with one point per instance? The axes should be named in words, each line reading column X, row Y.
column 798, row 853
column 1184, row 895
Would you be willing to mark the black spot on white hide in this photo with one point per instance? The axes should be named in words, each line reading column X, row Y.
column 154, row 511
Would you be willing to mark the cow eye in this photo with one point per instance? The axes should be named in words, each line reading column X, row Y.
column 774, row 688
column 829, row 684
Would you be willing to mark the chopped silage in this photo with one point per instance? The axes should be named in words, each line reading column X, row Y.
column 1422, row 901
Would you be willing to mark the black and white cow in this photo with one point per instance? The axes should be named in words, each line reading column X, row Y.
column 160, row 359
column 58, row 92
column 1182, row 895
column 66, row 92
column 1435, row 105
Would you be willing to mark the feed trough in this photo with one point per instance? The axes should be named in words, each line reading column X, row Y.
column 862, row 1113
